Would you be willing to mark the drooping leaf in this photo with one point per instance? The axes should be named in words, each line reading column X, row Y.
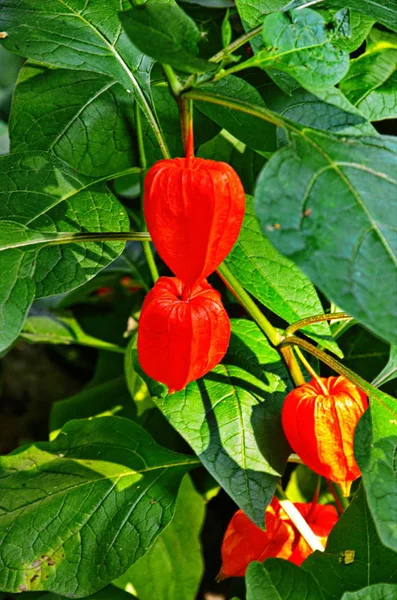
column 173, row 566
column 92, row 40
column 61, row 329
column 231, row 419
column 247, row 129
column 354, row 556
column 375, row 450
column 41, row 197
column 165, row 32
column 83, row 118
column 89, row 504
column 281, row 580
column 383, row 11
column 300, row 45
column 380, row 591
column 327, row 203
column 371, row 82
column 275, row 281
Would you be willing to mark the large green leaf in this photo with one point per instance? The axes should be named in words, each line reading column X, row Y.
column 300, row 45
column 375, row 449
column 280, row 580
column 107, row 593
column 384, row 11
column 231, row 419
column 81, row 36
column 258, row 136
column 371, row 82
column 380, row 591
column 165, row 32
column 327, row 202
column 42, row 196
column 354, row 556
column 83, row 118
column 77, row 512
column 274, row 280
column 173, row 566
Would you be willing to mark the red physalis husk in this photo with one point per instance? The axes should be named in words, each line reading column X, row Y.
column 181, row 335
column 244, row 542
column 320, row 427
column 194, row 209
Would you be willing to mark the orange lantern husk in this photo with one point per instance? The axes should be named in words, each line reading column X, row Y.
column 181, row 335
column 320, row 427
column 244, row 542
column 194, row 209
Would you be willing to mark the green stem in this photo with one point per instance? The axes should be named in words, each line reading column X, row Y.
column 173, row 81
column 246, row 301
column 292, row 365
column 100, row 236
column 219, row 56
column 339, row 316
column 330, row 361
column 299, row 521
column 310, row 370
column 147, row 250
column 242, row 106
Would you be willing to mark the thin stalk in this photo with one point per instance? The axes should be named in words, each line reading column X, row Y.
column 246, row 301
column 299, row 521
column 310, row 370
column 330, row 361
column 147, row 250
column 100, row 236
column 173, row 81
column 340, row 501
column 219, row 56
column 186, row 118
column 242, row 106
column 292, row 365
column 339, row 316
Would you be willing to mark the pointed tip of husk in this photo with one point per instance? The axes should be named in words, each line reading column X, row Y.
column 345, row 487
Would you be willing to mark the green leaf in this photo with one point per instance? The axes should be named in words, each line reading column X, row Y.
column 256, row 135
column 354, row 556
column 107, row 593
column 83, row 118
column 364, row 353
column 383, row 11
column 299, row 44
column 173, row 566
column 62, row 329
column 390, row 370
column 165, row 32
column 91, row 40
column 332, row 199
column 370, row 83
column 360, row 26
column 89, row 504
column 42, row 196
column 231, row 419
column 4, row 138
column 375, row 450
column 275, row 281
column 381, row 591
column 302, row 484
column 328, row 110
column 98, row 398
column 280, row 580
column 136, row 386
